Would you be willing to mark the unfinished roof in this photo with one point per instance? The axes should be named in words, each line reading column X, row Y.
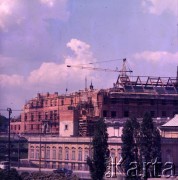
column 145, row 84
column 172, row 123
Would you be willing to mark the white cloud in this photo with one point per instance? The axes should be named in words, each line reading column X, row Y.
column 15, row 12
column 157, row 56
column 160, row 6
column 52, row 73
column 11, row 80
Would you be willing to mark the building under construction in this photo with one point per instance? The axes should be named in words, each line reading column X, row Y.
column 74, row 114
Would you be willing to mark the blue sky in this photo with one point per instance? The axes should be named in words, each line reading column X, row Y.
column 38, row 38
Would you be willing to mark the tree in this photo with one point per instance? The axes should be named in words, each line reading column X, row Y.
column 98, row 163
column 130, row 134
column 150, row 140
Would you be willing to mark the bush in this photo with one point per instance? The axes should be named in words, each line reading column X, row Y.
column 10, row 175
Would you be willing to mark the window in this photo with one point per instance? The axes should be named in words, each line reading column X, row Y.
column 113, row 114
column 32, row 152
column 55, row 114
column 51, row 114
column 25, row 117
column 71, row 101
column 47, row 164
column 104, row 113
column 126, row 113
column 59, row 165
column 37, row 153
column 80, row 154
column 53, row 165
column 66, row 127
column 60, row 153
column 79, row 166
column 73, row 153
column 66, row 166
column 86, row 167
column 32, row 117
column 42, row 152
column 66, row 153
column 31, row 126
column 39, row 116
column 84, row 112
column 86, row 153
column 48, row 153
column 54, row 153
column 51, row 103
column 62, row 102
column 73, row 166
column 46, row 115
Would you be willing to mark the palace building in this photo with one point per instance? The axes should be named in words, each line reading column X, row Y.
column 59, row 126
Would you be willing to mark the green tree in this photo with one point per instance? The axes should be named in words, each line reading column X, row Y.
column 98, row 162
column 130, row 136
column 150, row 140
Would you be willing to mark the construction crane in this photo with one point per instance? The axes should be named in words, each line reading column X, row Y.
column 123, row 71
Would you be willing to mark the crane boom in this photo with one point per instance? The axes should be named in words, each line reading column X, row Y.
column 97, row 69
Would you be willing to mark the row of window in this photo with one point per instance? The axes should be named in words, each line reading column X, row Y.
column 52, row 115
column 58, row 153
column 15, row 127
column 140, row 101
column 73, row 166
column 113, row 114
column 48, row 103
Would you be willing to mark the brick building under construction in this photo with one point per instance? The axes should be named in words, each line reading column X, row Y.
column 73, row 114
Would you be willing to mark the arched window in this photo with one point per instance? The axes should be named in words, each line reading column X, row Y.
column 37, row 153
column 48, row 152
column 86, row 153
column 32, row 152
column 66, row 153
column 42, row 152
column 80, row 154
column 54, row 153
column 73, row 153
column 60, row 153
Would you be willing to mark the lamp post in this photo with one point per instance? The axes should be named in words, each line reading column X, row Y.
column 9, row 143
column 19, row 137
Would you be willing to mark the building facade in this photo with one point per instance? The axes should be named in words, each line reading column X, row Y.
column 72, row 113
column 68, row 152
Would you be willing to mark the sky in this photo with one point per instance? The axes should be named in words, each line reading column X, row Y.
column 39, row 38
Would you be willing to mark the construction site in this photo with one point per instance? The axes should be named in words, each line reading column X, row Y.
column 74, row 114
